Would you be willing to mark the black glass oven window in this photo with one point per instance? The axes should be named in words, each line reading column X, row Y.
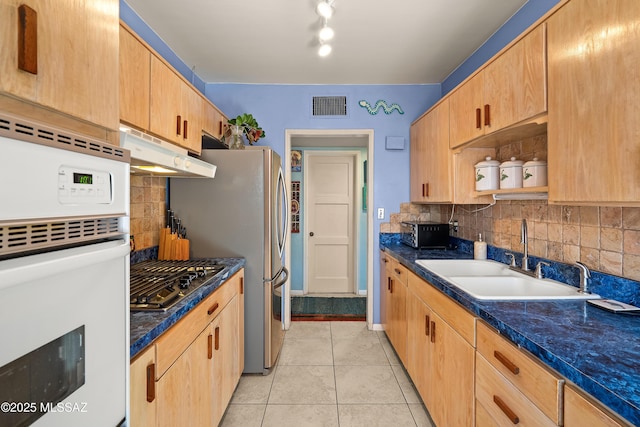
column 42, row 378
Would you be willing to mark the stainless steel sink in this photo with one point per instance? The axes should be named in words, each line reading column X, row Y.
column 490, row 280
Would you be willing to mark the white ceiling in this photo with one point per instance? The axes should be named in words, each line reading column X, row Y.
column 275, row 41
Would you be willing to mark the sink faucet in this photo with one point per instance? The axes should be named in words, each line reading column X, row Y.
column 524, row 239
column 585, row 275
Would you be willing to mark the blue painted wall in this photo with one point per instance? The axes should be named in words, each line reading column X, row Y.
column 280, row 107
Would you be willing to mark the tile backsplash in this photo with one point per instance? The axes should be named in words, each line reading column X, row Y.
column 148, row 209
column 606, row 239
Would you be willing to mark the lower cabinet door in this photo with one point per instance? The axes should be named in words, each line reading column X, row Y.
column 226, row 363
column 184, row 391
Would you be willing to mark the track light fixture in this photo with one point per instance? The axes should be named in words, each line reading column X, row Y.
column 325, row 10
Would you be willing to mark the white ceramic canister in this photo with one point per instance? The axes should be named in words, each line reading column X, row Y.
column 487, row 173
column 534, row 173
column 511, row 174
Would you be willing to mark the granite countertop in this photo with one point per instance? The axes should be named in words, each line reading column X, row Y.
column 597, row 350
column 146, row 326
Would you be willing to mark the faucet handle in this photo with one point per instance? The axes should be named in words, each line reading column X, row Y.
column 512, row 263
column 539, row 268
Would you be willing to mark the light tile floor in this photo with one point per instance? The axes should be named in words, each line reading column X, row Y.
column 329, row 374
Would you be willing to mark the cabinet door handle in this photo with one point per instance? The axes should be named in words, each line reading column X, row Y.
column 151, row 382
column 433, row 332
column 423, row 190
column 210, row 346
column 426, row 324
column 426, row 188
column 220, row 129
column 27, row 39
column 478, row 118
column 390, row 285
column 487, row 115
column 241, row 285
column 184, row 128
column 178, row 125
column 213, row 308
column 506, row 362
column 506, row 410
column 217, row 332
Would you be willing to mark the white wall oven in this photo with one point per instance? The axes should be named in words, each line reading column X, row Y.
column 64, row 275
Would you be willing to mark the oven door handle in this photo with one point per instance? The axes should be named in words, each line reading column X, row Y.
column 41, row 266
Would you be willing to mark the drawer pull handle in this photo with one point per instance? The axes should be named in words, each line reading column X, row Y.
column 398, row 272
column 210, row 346
column 426, row 325
column 27, row 39
column 487, row 115
column 507, row 411
column 433, row 332
column 213, row 309
column 506, row 362
column 151, row 382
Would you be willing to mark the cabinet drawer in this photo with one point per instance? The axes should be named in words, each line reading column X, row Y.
column 580, row 410
column 451, row 312
column 503, row 402
column 399, row 271
column 537, row 382
column 176, row 340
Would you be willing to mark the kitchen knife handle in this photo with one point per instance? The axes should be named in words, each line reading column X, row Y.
column 506, row 362
column 506, row 410
column 151, row 382
column 213, row 308
column 178, row 125
column 478, row 118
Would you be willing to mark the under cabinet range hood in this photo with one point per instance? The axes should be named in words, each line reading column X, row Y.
column 153, row 156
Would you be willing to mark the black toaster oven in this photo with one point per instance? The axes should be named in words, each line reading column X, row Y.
column 425, row 235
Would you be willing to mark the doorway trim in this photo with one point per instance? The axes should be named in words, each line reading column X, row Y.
column 333, row 135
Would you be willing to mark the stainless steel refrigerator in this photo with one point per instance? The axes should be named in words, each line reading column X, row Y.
column 242, row 212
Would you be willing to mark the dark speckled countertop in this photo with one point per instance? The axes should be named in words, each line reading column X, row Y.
column 146, row 326
column 597, row 350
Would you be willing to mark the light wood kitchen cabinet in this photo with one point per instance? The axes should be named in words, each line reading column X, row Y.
column 213, row 120
column 142, row 389
column 431, row 173
column 594, row 103
column 440, row 349
column 196, row 364
column 84, row 84
column 396, row 314
column 511, row 384
column 135, row 74
column 508, row 90
column 385, row 263
column 581, row 410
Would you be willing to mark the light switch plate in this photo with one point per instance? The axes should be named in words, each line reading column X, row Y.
column 380, row 213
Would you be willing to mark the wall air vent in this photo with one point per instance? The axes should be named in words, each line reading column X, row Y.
column 329, row 106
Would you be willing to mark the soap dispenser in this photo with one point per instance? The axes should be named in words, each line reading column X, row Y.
column 480, row 248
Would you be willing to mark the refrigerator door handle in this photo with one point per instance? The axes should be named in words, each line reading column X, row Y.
column 282, row 233
column 283, row 280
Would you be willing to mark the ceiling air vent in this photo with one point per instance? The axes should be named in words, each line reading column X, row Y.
column 329, row 106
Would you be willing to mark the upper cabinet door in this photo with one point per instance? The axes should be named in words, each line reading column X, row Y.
column 509, row 90
column 166, row 119
column 514, row 84
column 77, row 58
column 594, row 102
column 135, row 72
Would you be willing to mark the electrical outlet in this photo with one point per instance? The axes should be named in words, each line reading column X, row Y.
column 380, row 213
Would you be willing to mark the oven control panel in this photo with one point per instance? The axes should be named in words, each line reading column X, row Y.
column 78, row 185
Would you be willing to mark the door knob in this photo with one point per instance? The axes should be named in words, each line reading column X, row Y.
column 311, row 234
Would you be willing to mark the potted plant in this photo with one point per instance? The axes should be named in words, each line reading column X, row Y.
column 244, row 124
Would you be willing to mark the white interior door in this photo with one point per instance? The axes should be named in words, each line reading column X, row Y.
column 329, row 189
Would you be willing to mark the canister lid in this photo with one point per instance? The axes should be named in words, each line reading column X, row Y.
column 488, row 162
column 535, row 162
column 513, row 162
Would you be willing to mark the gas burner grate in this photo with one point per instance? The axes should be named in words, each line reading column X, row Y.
column 159, row 285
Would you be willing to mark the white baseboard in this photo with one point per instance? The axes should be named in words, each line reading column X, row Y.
column 296, row 292
column 377, row 327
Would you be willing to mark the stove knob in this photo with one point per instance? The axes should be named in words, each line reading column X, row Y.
column 185, row 282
